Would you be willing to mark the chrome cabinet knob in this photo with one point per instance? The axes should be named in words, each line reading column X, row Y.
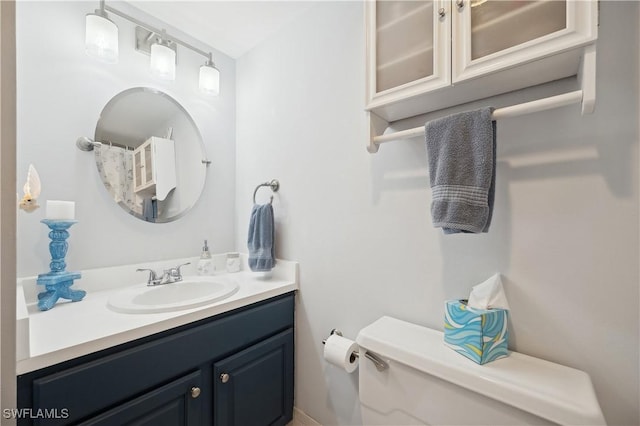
column 441, row 12
column 460, row 4
column 224, row 377
column 195, row 392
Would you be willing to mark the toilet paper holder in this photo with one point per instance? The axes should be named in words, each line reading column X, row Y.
column 379, row 363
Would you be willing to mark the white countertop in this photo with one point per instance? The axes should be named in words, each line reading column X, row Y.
column 73, row 329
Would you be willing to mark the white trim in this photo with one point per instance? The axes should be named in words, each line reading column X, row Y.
column 587, row 79
column 300, row 418
column 8, row 208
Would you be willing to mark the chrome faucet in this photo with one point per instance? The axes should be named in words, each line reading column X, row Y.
column 171, row 275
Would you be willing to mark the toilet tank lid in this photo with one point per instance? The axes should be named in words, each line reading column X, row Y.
column 552, row 391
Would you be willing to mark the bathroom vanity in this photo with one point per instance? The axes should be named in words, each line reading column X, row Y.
column 233, row 365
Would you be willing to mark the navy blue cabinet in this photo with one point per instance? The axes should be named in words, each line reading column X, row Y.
column 232, row 369
column 255, row 387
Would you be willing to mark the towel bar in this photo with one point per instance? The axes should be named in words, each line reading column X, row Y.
column 586, row 96
column 507, row 112
column 274, row 184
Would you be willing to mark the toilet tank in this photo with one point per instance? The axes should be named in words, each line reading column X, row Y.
column 428, row 383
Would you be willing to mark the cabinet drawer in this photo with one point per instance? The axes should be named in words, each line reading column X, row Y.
column 178, row 403
column 92, row 387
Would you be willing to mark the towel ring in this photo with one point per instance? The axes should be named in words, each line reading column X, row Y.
column 274, row 184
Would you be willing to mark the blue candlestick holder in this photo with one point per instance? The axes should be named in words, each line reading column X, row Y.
column 58, row 281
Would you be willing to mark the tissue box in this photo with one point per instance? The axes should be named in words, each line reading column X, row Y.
column 479, row 334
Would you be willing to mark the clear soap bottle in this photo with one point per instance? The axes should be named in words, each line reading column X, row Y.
column 205, row 264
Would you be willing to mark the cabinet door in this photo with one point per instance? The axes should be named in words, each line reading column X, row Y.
column 255, row 387
column 143, row 166
column 175, row 404
column 408, row 49
column 491, row 35
column 149, row 163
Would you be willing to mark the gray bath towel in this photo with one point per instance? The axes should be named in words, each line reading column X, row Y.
column 149, row 209
column 261, row 238
column 461, row 153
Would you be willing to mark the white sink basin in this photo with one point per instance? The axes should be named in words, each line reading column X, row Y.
column 188, row 293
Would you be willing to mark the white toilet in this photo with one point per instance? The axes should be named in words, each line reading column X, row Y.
column 425, row 382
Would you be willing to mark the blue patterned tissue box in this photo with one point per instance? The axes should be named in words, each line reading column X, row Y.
column 481, row 335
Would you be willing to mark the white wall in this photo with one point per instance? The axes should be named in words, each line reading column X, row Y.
column 61, row 92
column 564, row 232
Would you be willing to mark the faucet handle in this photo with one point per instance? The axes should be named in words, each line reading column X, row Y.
column 153, row 278
column 175, row 272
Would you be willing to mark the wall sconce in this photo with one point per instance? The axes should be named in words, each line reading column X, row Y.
column 162, row 61
column 102, row 43
column 101, row 39
column 209, row 78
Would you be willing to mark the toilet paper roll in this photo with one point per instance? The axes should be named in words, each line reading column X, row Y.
column 341, row 352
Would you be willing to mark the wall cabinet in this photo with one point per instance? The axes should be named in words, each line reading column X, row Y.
column 233, row 369
column 428, row 55
column 154, row 167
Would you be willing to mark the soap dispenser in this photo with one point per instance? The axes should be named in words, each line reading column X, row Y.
column 205, row 264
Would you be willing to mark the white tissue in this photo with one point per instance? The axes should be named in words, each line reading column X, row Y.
column 488, row 295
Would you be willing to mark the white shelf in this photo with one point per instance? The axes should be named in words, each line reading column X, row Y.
column 403, row 81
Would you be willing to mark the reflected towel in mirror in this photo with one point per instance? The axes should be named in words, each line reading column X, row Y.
column 150, row 209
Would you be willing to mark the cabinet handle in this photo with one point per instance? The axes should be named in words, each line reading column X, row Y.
column 442, row 12
column 195, row 392
column 224, row 377
column 460, row 4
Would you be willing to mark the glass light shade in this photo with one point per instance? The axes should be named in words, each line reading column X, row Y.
column 209, row 80
column 163, row 62
column 101, row 38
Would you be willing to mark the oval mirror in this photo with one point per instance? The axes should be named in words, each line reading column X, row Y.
column 151, row 155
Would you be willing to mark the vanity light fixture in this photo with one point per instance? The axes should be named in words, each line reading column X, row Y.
column 161, row 47
column 101, row 36
column 209, row 78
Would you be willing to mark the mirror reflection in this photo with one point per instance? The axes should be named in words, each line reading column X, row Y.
column 151, row 155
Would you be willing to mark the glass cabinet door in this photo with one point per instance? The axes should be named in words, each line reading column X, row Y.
column 143, row 166
column 499, row 25
column 148, row 163
column 137, row 169
column 496, row 34
column 404, row 46
column 407, row 42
